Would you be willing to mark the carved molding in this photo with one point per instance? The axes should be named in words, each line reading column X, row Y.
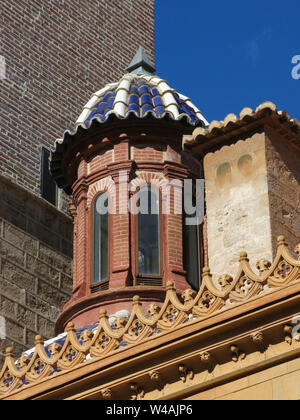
column 136, row 392
column 287, row 330
column 205, row 357
column 106, row 394
column 185, row 373
column 258, row 339
column 236, row 353
column 156, row 379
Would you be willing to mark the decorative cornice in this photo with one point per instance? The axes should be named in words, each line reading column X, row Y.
column 174, row 315
column 206, row 139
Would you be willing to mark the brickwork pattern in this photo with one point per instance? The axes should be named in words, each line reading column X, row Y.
column 57, row 54
column 147, row 153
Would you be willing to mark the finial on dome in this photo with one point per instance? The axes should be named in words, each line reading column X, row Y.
column 141, row 64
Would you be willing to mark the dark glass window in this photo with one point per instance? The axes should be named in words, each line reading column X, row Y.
column 48, row 185
column 100, row 249
column 148, row 232
column 192, row 251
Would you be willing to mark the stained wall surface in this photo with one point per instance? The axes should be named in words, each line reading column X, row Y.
column 237, row 202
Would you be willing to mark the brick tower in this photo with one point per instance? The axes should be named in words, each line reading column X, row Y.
column 126, row 147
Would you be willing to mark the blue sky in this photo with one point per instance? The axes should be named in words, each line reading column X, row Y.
column 226, row 55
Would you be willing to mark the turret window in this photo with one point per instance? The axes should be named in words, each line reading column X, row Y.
column 192, row 249
column 148, row 232
column 100, row 239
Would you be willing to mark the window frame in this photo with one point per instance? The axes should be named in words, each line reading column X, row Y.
column 200, row 249
column 138, row 276
column 95, row 286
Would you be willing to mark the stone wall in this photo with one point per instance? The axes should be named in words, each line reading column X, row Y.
column 252, row 197
column 237, row 202
column 35, row 266
column 276, row 383
column 283, row 163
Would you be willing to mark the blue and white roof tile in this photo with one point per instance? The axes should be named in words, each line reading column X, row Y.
column 139, row 95
column 61, row 338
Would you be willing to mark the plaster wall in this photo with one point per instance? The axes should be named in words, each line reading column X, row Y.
column 238, row 207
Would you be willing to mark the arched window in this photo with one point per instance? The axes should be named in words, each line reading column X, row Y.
column 192, row 249
column 100, row 239
column 148, row 232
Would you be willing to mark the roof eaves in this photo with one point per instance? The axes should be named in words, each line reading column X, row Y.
column 247, row 119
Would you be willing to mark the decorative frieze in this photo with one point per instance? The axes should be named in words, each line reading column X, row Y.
column 205, row 357
column 106, row 394
column 258, row 338
column 136, row 392
column 156, row 379
column 173, row 316
column 287, row 330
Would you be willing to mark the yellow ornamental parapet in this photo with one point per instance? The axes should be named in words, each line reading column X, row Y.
column 176, row 312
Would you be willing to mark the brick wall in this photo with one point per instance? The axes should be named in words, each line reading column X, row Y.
column 58, row 53
column 142, row 153
column 139, row 158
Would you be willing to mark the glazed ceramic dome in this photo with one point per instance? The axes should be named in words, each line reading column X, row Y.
column 139, row 95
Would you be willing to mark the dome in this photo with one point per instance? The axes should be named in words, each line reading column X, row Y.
column 140, row 95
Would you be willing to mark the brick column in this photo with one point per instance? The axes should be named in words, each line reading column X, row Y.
column 80, row 287
column 73, row 212
column 120, row 236
column 173, row 231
